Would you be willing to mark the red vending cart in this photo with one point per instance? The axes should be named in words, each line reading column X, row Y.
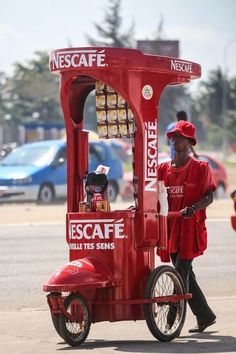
column 111, row 274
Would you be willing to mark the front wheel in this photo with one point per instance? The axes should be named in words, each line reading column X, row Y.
column 74, row 331
column 46, row 194
column 165, row 320
column 55, row 321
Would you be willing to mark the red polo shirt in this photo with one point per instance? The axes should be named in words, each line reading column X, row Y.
column 186, row 186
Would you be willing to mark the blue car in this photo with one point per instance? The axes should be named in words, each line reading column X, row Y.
column 37, row 171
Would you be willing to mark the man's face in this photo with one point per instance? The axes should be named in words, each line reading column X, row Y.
column 180, row 143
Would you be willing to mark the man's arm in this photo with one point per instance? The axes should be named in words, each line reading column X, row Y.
column 206, row 200
column 203, row 203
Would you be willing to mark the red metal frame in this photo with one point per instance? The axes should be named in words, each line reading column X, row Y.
column 113, row 251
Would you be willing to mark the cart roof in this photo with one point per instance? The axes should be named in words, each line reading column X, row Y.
column 77, row 59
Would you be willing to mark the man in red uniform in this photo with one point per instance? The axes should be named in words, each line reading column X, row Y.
column 190, row 191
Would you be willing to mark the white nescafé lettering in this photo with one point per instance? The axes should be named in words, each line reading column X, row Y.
column 73, row 59
column 182, row 66
column 96, row 231
column 151, row 157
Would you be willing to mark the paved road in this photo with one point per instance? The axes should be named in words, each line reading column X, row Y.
column 29, row 253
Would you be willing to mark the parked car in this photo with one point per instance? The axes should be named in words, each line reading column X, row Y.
column 219, row 174
column 6, row 149
column 37, row 171
column 120, row 149
column 218, row 171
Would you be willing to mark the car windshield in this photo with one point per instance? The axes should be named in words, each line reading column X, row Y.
column 30, row 155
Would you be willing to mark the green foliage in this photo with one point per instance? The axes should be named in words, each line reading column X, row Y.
column 3, row 105
column 231, row 97
column 110, row 29
column 210, row 99
column 173, row 99
column 216, row 107
column 214, row 136
column 231, row 127
column 33, row 92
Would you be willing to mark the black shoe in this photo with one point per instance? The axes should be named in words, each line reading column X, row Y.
column 202, row 327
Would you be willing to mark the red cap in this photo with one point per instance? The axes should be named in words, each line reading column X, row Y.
column 185, row 129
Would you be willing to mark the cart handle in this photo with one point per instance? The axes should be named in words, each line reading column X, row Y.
column 174, row 214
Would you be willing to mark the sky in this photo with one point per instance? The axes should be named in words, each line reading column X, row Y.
column 206, row 29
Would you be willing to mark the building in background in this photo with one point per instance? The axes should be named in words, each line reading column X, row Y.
column 169, row 48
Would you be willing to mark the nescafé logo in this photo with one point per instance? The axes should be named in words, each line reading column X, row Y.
column 76, row 58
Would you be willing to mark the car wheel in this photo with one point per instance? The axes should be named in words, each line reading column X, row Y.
column 112, row 191
column 46, row 194
column 220, row 191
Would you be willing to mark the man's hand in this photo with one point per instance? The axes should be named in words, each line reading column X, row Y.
column 188, row 212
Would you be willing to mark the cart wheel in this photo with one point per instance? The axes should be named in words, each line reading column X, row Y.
column 165, row 320
column 56, row 324
column 75, row 331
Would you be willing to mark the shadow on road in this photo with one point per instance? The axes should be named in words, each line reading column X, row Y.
column 209, row 342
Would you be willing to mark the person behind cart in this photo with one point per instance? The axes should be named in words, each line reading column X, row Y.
column 180, row 115
column 190, row 190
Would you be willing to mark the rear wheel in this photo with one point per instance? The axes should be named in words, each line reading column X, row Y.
column 165, row 320
column 46, row 194
column 75, row 330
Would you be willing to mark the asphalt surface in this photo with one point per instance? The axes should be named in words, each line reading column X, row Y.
column 30, row 252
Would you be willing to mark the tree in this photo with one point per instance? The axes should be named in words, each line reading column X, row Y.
column 3, row 101
column 110, row 31
column 211, row 93
column 160, row 32
column 231, row 102
column 33, row 92
column 231, row 128
column 173, row 99
column 216, row 105
column 230, row 124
